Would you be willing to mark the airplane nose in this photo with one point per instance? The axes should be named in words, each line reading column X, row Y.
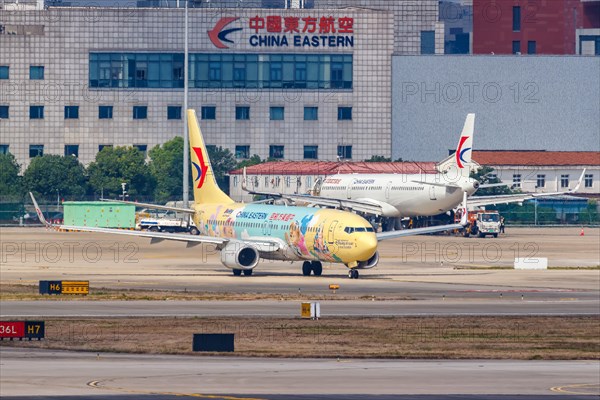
column 368, row 246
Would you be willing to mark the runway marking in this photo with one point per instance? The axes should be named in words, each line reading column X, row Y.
column 97, row 385
column 588, row 389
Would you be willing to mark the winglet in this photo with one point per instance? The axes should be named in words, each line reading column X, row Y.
column 464, row 219
column 244, row 183
column 39, row 211
column 576, row 188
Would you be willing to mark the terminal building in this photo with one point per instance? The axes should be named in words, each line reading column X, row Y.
column 285, row 83
column 315, row 80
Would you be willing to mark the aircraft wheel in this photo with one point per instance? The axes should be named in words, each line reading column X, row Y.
column 306, row 268
column 248, row 272
column 495, row 235
column 317, row 268
column 194, row 231
column 481, row 235
column 153, row 229
column 237, row 272
column 353, row 274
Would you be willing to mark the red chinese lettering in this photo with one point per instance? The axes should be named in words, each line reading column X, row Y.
column 327, row 25
column 310, row 25
column 292, row 24
column 346, row 25
column 257, row 23
column 274, row 24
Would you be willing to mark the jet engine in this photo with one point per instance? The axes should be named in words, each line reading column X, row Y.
column 370, row 263
column 239, row 256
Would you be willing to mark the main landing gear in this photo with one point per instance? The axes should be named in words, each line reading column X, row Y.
column 312, row 266
column 353, row 274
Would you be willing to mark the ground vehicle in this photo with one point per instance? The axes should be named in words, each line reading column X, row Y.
column 166, row 222
column 482, row 223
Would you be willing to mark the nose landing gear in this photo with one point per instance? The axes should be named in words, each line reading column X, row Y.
column 353, row 274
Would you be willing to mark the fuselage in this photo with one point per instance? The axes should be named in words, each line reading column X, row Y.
column 411, row 195
column 305, row 233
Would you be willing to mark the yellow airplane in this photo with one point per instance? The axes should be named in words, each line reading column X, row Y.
column 246, row 233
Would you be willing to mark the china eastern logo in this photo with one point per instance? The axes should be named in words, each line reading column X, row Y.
column 219, row 34
column 460, row 152
column 201, row 167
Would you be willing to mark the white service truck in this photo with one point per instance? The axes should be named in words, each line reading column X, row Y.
column 166, row 222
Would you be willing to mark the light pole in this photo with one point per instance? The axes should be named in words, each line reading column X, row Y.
column 186, row 145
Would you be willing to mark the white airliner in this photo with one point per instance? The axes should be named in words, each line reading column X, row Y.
column 408, row 195
column 245, row 233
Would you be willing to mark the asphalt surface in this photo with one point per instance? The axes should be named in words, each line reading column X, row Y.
column 52, row 375
column 498, row 306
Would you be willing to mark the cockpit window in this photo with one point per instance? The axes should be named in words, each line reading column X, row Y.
column 350, row 230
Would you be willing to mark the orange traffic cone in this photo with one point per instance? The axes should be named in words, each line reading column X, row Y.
column 582, row 233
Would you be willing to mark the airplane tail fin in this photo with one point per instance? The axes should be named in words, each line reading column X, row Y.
column 461, row 159
column 206, row 190
column 464, row 149
column 38, row 211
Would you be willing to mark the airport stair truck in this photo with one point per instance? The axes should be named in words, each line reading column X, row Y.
column 482, row 223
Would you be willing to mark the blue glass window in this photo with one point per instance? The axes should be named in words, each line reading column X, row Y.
column 72, row 150
column 143, row 148
column 276, row 151
column 516, row 18
column 4, row 112
column 105, row 112
column 4, row 149
column 104, row 146
column 71, row 112
column 221, row 71
column 277, row 113
column 311, row 152
column 36, row 72
column 36, row 112
column 344, row 113
column 36, row 150
column 4, row 72
column 209, row 112
column 242, row 113
column 427, row 42
column 174, row 112
column 531, row 47
column 516, row 46
column 242, row 151
column 311, row 113
column 345, row 152
column 140, row 112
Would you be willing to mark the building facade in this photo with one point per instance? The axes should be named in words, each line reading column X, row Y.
column 293, row 84
column 557, row 27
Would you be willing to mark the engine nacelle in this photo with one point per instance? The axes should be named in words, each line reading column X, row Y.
column 370, row 263
column 239, row 256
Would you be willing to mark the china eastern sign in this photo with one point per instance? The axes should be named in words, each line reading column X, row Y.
column 278, row 31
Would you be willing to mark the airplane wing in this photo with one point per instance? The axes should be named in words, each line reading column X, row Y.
column 430, row 229
column 153, row 206
column 262, row 245
column 480, row 201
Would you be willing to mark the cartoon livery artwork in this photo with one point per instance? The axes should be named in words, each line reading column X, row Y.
column 245, row 233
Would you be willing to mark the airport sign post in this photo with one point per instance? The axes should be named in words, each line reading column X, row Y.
column 22, row 330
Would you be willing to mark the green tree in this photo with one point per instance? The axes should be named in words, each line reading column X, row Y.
column 166, row 166
column 482, row 175
column 379, row 159
column 49, row 174
column 114, row 165
column 11, row 183
column 254, row 160
column 222, row 161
